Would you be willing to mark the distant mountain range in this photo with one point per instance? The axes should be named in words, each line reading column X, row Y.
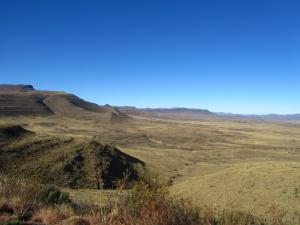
column 282, row 117
column 190, row 113
column 175, row 113
column 278, row 117
column 20, row 100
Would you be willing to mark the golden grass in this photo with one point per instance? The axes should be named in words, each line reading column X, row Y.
column 54, row 215
column 254, row 187
column 148, row 203
column 197, row 155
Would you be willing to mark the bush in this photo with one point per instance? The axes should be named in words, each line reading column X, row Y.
column 52, row 195
column 20, row 195
column 148, row 203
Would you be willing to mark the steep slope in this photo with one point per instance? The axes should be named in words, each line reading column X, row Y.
column 64, row 161
column 70, row 105
column 15, row 104
column 24, row 100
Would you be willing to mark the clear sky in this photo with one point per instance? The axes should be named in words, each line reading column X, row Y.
column 240, row 56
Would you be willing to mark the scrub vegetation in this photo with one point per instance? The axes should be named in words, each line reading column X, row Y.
column 71, row 161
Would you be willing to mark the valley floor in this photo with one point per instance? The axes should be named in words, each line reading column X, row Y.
column 240, row 163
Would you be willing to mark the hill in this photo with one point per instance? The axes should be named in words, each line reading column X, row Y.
column 64, row 161
column 24, row 100
column 170, row 113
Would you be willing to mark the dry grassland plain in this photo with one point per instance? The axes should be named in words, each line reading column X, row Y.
column 241, row 163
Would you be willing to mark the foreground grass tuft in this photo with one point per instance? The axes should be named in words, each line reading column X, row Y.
column 147, row 203
column 20, row 196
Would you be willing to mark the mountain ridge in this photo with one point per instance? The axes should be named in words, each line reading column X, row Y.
column 176, row 112
column 24, row 100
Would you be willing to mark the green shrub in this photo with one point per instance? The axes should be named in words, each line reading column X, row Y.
column 52, row 195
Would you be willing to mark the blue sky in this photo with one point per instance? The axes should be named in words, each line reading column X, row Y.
column 226, row 56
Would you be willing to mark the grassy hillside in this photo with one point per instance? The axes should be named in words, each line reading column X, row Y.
column 254, row 187
column 64, row 161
